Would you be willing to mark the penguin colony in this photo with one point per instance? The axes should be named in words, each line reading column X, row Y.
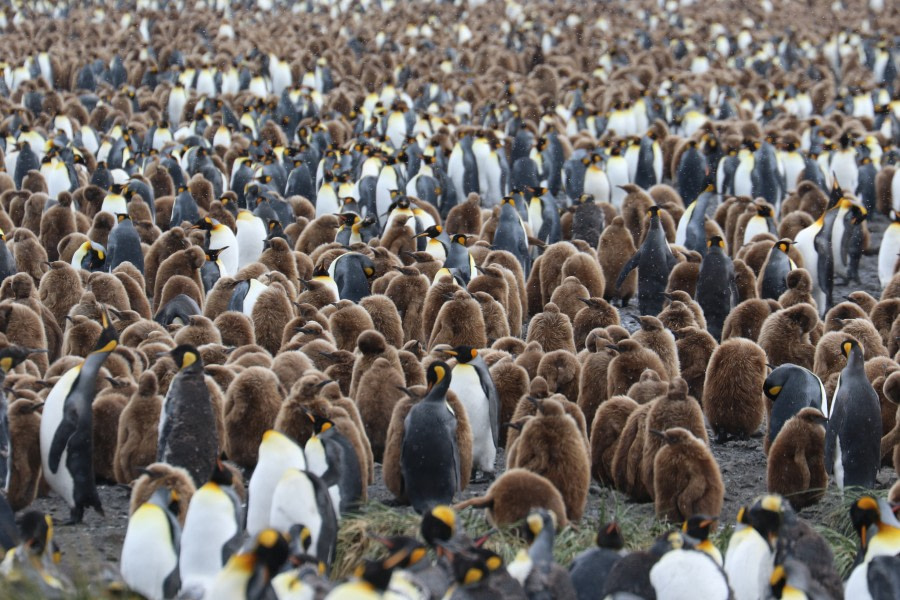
column 249, row 253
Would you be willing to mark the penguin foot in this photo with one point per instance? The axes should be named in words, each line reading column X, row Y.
column 76, row 517
column 482, row 477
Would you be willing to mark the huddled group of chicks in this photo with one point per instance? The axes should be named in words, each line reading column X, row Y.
column 234, row 251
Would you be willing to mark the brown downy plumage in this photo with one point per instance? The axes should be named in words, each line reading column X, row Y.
column 784, row 336
column 530, row 358
column 567, row 296
column 332, row 393
column 496, row 323
column 550, row 275
column 24, row 437
column 683, row 276
column 60, row 290
column 732, row 393
column 626, row 368
column 107, row 411
column 186, row 263
column 56, row 223
column 829, row 358
column 677, row 315
column 235, row 329
column 562, row 372
column 393, row 446
column 272, row 311
column 585, row 268
column 293, row 415
column 198, row 331
column 251, row 406
column 795, row 466
column 593, row 385
column 865, row 332
column 837, row 314
column 517, row 302
column 380, row 389
column 551, row 445
column 23, row 327
column 673, row 409
column 133, row 283
column 317, row 233
column 654, row 336
column 608, row 424
column 512, row 383
column 371, row 345
column 385, row 319
column 407, row 292
column 746, row 319
column 695, row 347
column 465, row 217
column 597, row 313
column 514, row 495
column 745, row 280
column 686, row 477
column 552, row 329
column 347, row 323
column 158, row 475
column 648, row 388
column 626, row 464
column 799, row 290
column 459, row 323
column 634, row 207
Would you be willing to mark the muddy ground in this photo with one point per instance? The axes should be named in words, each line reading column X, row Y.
column 93, row 547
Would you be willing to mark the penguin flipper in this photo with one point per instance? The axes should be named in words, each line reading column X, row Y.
column 172, row 583
column 631, row 264
column 64, row 433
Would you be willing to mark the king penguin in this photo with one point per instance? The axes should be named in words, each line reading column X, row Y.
column 277, row 454
column 220, row 237
column 251, row 237
column 791, row 388
column 458, row 257
column 351, row 273
column 438, row 242
column 717, row 291
column 187, row 426
column 852, row 453
column 331, row 456
column 654, row 261
column 691, row 230
column 890, row 249
column 67, row 436
column 773, row 279
column 149, row 562
column 471, row 382
column 429, row 458
column 511, row 235
column 124, row 245
column 90, row 256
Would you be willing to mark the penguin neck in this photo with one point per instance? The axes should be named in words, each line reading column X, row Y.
column 541, row 549
column 87, row 378
column 439, row 391
column 856, row 361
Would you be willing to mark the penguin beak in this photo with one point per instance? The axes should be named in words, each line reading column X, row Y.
column 421, row 235
column 322, row 384
column 657, row 433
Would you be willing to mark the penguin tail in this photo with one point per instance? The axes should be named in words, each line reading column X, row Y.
column 477, row 502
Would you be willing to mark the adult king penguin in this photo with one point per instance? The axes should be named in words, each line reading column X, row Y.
column 67, row 436
column 149, row 562
column 654, row 261
column 429, row 459
column 716, row 291
column 472, row 384
column 187, row 425
column 852, row 453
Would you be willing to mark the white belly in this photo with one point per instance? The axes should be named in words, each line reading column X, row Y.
column 466, row 384
column 209, row 525
column 148, row 555
column 887, row 255
column 271, row 466
column 250, row 237
column 61, row 481
column 293, row 502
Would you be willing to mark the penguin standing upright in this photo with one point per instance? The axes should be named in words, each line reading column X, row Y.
column 429, row 458
column 691, row 174
column 458, row 257
column 717, row 291
column 124, row 245
column 213, row 528
column 438, row 242
column 331, row 456
column 188, row 437
column 10, row 358
column 510, row 234
column 773, row 278
column 7, row 260
column 890, row 249
column 277, row 454
column 149, row 562
column 792, row 388
column 587, row 220
column 67, row 436
column 691, row 229
column 302, row 498
column 654, row 261
column 852, row 453
column 471, row 382
column 351, row 272
column 220, row 237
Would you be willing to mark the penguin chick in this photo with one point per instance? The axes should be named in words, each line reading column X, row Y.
column 551, row 445
column 597, row 313
column 626, row 464
column 648, row 388
column 59, row 290
column 567, row 296
column 514, row 495
column 796, row 463
column 512, row 383
column 562, row 372
column 186, row 263
column 136, row 443
column 408, row 292
column 25, row 463
column 593, row 386
column 107, row 410
column 695, row 347
column 371, row 345
column 626, row 368
column 784, row 336
column 799, row 284
column 746, row 319
column 654, row 336
column 385, row 318
column 459, row 323
column 701, row 491
column 552, row 329
column 304, row 398
column 677, row 316
column 347, row 323
column 251, row 407
column 496, row 324
column 675, row 409
column 162, row 475
column 732, row 393
column 608, row 423
column 198, row 331
column 271, row 313
column 379, row 391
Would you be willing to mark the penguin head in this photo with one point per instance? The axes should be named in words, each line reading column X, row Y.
column 270, row 552
column 537, row 522
column 212, row 255
column 610, row 536
column 778, row 581
column 653, row 211
column 764, row 211
column 376, row 573
column 36, row 531
column 404, row 551
column 320, row 424
column 205, row 224
column 13, row 356
column 166, row 498
column 766, row 516
column 468, row 569
column 437, row 376
column 460, row 238
column 432, row 231
column 715, row 241
column 221, row 475
column 847, row 346
column 109, row 337
column 438, row 524
column 699, row 527
column 348, row 219
column 864, row 515
column 784, row 245
column 586, row 199
column 186, row 356
column 463, row 354
column 300, row 542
